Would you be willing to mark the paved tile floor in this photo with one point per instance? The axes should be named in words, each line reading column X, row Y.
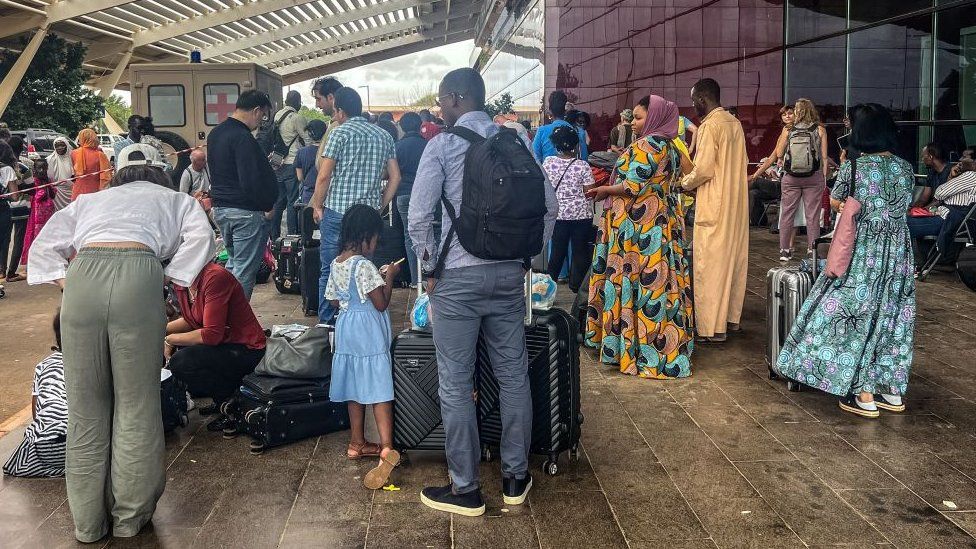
column 726, row 458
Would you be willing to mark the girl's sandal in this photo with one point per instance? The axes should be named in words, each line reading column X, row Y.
column 363, row 449
column 377, row 477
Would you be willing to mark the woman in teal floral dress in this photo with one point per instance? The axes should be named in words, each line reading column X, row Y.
column 853, row 335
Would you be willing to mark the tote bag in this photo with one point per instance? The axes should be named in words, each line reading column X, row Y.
column 842, row 245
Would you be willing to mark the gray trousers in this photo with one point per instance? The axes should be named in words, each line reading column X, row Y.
column 113, row 323
column 487, row 299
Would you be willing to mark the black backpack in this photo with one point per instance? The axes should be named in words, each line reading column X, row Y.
column 269, row 136
column 503, row 200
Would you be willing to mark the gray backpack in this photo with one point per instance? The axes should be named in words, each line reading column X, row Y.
column 802, row 151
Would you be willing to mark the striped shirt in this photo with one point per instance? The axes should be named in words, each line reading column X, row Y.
column 41, row 453
column 361, row 151
column 958, row 191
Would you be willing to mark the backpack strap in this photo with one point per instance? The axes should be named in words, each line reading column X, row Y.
column 468, row 134
column 568, row 166
column 472, row 137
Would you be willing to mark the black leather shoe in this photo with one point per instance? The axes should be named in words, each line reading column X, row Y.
column 516, row 490
column 444, row 499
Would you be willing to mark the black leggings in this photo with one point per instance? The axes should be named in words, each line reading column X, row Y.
column 214, row 370
column 6, row 226
column 579, row 234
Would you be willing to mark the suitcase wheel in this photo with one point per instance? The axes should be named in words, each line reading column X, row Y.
column 404, row 458
column 793, row 386
column 252, row 417
column 486, row 454
column 772, row 374
column 551, row 467
column 574, row 453
column 257, row 448
column 231, row 432
column 225, row 407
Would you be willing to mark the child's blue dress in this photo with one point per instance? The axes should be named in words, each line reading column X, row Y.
column 361, row 367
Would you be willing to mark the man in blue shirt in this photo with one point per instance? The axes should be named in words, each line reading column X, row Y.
column 408, row 153
column 542, row 147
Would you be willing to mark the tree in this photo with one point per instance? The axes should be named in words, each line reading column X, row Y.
column 428, row 101
column 419, row 94
column 52, row 93
column 116, row 107
column 502, row 105
column 313, row 114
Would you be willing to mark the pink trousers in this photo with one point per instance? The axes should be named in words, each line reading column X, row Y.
column 810, row 190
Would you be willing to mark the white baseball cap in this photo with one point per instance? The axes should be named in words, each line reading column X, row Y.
column 139, row 154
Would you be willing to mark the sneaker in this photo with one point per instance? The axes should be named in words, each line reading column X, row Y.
column 853, row 405
column 516, row 490
column 210, row 409
column 890, row 403
column 785, row 255
column 444, row 499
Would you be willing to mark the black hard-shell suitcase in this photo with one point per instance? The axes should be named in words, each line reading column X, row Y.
column 278, row 410
column 417, row 421
column 307, row 227
column 310, row 269
column 552, row 343
column 966, row 267
column 288, row 252
column 390, row 248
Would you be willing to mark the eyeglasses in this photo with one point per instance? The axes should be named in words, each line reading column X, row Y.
column 437, row 100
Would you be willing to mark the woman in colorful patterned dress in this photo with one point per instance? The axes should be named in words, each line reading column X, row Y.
column 853, row 335
column 640, row 309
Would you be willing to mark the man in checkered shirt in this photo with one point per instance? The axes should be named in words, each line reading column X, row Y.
column 357, row 158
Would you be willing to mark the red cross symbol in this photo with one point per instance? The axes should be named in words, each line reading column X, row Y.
column 219, row 106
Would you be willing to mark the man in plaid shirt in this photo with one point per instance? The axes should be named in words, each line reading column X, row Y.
column 357, row 157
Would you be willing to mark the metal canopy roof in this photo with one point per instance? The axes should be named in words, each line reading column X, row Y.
column 299, row 39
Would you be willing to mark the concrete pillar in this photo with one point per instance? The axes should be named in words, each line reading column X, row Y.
column 107, row 83
column 12, row 81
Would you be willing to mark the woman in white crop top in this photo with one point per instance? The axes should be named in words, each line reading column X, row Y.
column 106, row 251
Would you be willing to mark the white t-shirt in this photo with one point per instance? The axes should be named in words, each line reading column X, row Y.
column 7, row 174
column 171, row 224
column 368, row 278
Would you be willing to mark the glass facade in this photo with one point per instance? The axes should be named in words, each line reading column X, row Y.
column 916, row 57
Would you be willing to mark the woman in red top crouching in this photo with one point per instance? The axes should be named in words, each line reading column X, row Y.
column 216, row 341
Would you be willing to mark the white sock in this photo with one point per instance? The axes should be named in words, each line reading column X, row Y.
column 894, row 400
column 869, row 406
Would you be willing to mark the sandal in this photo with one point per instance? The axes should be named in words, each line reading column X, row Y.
column 363, row 449
column 377, row 477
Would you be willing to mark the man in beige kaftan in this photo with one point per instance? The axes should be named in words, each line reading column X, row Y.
column 721, row 234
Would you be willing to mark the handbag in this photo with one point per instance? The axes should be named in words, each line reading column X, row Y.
column 307, row 356
column 842, row 245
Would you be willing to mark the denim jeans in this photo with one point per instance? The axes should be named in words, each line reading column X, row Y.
column 403, row 206
column 245, row 236
column 923, row 226
column 288, row 191
column 488, row 300
column 328, row 250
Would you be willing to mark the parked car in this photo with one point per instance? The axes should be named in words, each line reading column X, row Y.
column 40, row 142
column 108, row 141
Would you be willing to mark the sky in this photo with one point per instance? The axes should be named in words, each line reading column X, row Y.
column 402, row 78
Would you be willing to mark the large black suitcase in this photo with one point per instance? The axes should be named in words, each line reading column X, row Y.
column 966, row 267
column 310, row 269
column 288, row 252
column 278, row 410
column 172, row 403
column 390, row 248
column 552, row 343
column 417, row 421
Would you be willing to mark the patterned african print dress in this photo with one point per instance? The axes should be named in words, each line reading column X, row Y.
column 640, row 309
column 855, row 333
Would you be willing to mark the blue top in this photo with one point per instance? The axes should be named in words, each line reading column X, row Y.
column 408, row 153
column 542, row 146
column 305, row 159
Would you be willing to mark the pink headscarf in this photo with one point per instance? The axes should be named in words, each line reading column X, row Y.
column 662, row 118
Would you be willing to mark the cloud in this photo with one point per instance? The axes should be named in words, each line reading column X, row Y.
column 387, row 79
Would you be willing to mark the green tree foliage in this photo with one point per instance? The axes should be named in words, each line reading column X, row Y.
column 118, row 110
column 52, row 93
column 502, row 105
column 312, row 114
column 427, row 101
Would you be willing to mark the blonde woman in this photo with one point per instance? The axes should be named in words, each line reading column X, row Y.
column 803, row 147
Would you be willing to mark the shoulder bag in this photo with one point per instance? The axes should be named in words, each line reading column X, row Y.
column 842, row 245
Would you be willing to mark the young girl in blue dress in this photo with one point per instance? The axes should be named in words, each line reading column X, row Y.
column 362, row 372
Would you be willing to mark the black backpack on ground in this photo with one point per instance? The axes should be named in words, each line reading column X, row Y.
column 503, row 200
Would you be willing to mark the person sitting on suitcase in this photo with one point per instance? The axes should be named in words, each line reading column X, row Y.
column 362, row 372
column 216, row 341
column 474, row 294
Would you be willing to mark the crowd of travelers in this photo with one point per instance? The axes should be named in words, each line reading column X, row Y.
column 656, row 243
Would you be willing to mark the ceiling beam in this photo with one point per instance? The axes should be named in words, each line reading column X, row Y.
column 363, row 36
column 373, row 10
column 393, row 45
column 331, row 65
column 193, row 24
column 55, row 12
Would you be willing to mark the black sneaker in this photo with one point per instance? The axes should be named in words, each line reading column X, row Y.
column 222, row 422
column 516, row 490
column 443, row 498
column 854, row 406
column 210, row 409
